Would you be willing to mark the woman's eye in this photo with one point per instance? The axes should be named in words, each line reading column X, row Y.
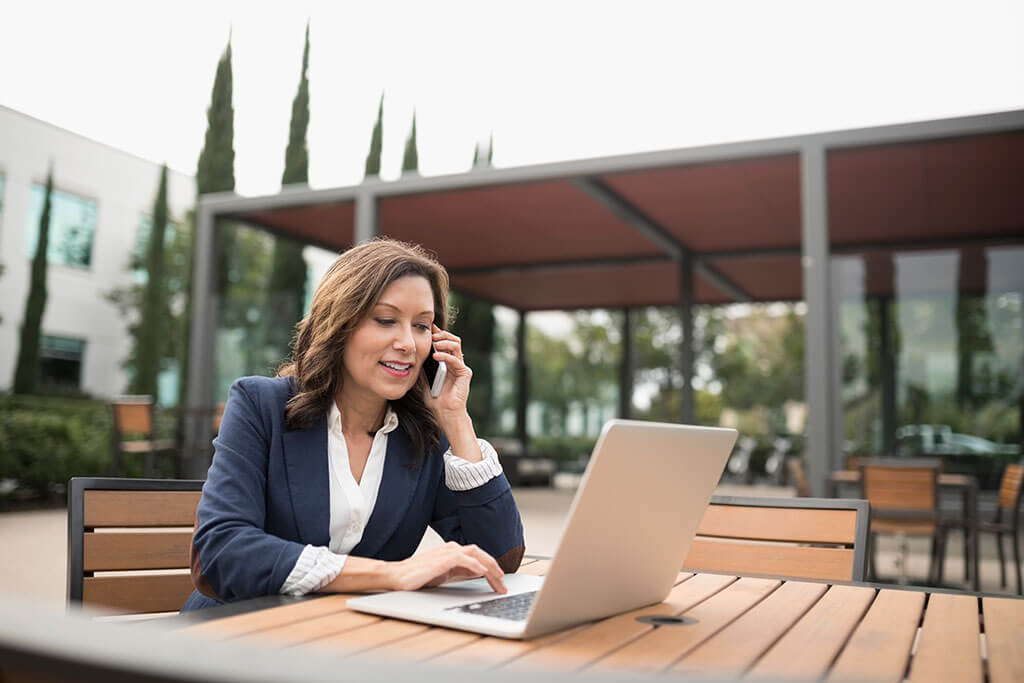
column 385, row 321
column 423, row 327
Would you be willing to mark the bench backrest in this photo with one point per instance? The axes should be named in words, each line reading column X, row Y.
column 141, row 526
column 811, row 538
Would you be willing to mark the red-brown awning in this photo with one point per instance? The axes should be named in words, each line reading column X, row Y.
column 545, row 243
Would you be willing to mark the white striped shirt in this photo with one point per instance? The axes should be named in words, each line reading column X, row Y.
column 352, row 502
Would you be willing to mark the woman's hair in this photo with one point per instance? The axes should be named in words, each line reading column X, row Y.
column 344, row 298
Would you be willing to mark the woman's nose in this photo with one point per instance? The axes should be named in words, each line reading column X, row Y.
column 405, row 341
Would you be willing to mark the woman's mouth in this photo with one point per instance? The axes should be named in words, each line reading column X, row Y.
column 396, row 369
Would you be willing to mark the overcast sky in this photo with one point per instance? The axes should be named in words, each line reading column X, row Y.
column 553, row 80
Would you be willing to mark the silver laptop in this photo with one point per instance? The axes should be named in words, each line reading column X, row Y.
column 630, row 526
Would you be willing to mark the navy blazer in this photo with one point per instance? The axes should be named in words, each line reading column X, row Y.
column 266, row 496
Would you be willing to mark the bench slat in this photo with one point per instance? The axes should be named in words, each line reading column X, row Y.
column 797, row 525
column 834, row 564
column 137, row 594
column 139, row 508
column 116, row 551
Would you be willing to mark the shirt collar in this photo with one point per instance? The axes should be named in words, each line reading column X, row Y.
column 334, row 420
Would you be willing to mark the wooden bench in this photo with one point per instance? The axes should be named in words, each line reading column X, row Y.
column 809, row 538
column 139, row 528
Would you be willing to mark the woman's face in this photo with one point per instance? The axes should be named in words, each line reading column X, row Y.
column 386, row 351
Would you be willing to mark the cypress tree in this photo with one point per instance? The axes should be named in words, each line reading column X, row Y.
column 154, row 315
column 26, row 371
column 216, row 170
column 411, row 158
column 376, row 142
column 288, row 273
column 215, row 173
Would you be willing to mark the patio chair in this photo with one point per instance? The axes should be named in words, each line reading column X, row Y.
column 153, row 519
column 808, row 538
column 133, row 417
column 1007, row 520
column 904, row 498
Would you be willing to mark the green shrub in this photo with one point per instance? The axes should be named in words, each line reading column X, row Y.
column 46, row 441
column 563, row 448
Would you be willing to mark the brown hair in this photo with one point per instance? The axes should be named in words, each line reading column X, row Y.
column 344, row 298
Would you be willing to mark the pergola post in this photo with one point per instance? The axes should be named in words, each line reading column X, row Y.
column 887, row 368
column 686, row 319
column 626, row 366
column 821, row 390
column 522, row 383
column 205, row 297
column 366, row 217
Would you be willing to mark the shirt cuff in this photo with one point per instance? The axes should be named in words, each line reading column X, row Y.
column 463, row 475
column 316, row 567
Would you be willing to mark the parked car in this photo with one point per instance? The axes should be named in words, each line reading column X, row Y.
column 929, row 439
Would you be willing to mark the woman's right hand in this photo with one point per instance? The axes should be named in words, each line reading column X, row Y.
column 443, row 564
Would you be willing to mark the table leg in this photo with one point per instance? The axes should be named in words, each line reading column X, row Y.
column 972, row 529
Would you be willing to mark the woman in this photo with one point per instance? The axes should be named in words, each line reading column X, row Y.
column 325, row 478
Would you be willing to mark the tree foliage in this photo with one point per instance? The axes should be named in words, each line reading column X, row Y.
column 376, row 142
column 215, row 173
column 475, row 324
column 26, row 371
column 411, row 159
column 152, row 331
column 287, row 288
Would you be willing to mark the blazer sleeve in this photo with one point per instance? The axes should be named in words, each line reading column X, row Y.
column 486, row 516
column 233, row 557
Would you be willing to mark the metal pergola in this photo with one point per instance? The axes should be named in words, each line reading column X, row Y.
column 747, row 221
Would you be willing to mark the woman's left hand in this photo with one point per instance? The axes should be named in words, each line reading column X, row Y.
column 455, row 390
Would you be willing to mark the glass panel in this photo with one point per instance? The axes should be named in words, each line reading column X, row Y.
column 1, row 200
column 243, row 284
column 72, row 225
column 932, row 349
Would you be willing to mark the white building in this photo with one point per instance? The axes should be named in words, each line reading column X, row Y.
column 102, row 196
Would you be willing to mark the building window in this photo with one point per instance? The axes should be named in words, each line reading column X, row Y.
column 72, row 225
column 60, row 362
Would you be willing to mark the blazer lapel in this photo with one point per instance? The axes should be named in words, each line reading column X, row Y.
column 305, row 452
column 397, row 486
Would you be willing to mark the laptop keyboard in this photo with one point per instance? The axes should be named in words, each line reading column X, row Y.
column 511, row 607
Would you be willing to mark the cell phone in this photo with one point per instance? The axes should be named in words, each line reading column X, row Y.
column 436, row 371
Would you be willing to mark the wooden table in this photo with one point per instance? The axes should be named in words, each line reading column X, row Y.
column 733, row 626
column 964, row 485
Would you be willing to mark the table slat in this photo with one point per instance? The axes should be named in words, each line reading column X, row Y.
column 950, row 645
column 425, row 645
column 1004, row 637
column 538, row 568
column 661, row 647
column 736, row 647
column 880, row 647
column 596, row 640
column 493, row 652
column 251, row 622
column 488, row 652
column 811, row 645
column 366, row 638
column 314, row 628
